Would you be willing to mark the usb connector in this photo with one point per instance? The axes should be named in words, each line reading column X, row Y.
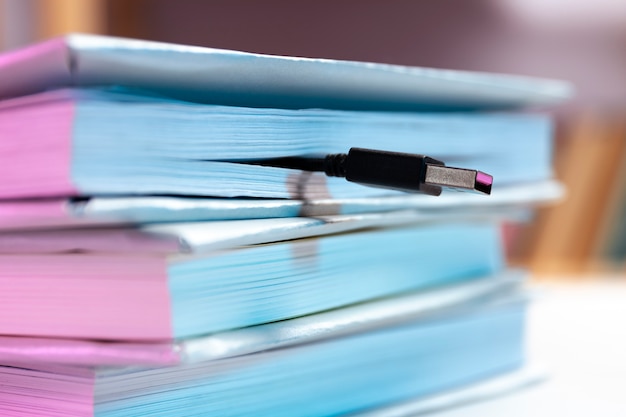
column 404, row 172
column 468, row 179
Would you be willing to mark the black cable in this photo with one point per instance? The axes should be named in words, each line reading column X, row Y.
column 392, row 170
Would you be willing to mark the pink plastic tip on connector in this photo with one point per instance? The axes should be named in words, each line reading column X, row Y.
column 483, row 182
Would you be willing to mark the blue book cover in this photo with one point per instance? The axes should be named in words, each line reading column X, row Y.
column 217, row 76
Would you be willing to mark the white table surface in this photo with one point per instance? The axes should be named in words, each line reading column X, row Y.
column 577, row 330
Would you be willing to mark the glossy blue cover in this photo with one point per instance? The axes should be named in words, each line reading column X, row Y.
column 273, row 282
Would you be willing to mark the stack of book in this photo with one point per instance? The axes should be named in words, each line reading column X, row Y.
column 157, row 260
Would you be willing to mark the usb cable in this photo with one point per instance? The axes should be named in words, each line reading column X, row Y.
column 392, row 170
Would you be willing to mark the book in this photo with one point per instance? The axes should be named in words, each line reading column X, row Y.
column 162, row 294
column 362, row 317
column 209, row 75
column 485, row 389
column 162, row 146
column 202, row 237
column 54, row 213
column 351, row 373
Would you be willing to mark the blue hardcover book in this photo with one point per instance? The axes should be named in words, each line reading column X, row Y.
column 173, row 281
column 101, row 142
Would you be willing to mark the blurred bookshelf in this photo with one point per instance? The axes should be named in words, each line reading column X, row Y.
column 584, row 233
column 28, row 21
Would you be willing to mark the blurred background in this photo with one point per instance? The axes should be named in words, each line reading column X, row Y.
column 576, row 40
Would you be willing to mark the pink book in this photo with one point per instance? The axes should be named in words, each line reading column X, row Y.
column 230, row 343
column 168, row 281
column 395, row 350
